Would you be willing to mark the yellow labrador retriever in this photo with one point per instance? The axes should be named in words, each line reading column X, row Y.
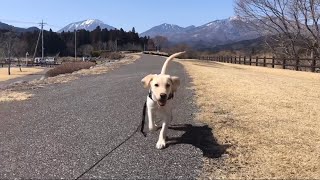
column 161, row 90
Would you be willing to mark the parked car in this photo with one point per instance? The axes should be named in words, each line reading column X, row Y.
column 46, row 60
column 50, row 60
column 86, row 58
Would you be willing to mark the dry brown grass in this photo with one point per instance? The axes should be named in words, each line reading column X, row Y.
column 69, row 67
column 7, row 96
column 15, row 72
column 271, row 118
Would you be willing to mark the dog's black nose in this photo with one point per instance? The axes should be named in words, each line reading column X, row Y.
column 163, row 96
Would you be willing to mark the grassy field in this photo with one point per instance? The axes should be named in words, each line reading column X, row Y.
column 270, row 117
column 15, row 72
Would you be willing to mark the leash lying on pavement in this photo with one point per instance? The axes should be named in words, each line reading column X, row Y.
column 129, row 137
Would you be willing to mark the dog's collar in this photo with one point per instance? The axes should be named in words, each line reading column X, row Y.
column 171, row 95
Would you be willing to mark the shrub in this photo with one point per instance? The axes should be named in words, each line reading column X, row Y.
column 68, row 68
column 95, row 53
column 115, row 55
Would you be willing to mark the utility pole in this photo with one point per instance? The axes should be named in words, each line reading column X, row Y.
column 42, row 50
column 117, row 45
column 75, row 44
column 27, row 54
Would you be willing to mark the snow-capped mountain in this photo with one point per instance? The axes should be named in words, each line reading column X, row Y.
column 163, row 30
column 216, row 32
column 16, row 29
column 89, row 25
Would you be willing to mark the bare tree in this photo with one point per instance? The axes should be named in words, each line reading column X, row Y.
column 85, row 50
column 112, row 45
column 151, row 45
column 9, row 40
column 309, row 14
column 290, row 25
column 160, row 41
column 18, row 50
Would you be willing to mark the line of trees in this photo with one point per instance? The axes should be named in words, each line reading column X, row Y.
column 17, row 44
column 291, row 26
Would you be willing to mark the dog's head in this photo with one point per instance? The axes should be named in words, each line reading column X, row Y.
column 161, row 85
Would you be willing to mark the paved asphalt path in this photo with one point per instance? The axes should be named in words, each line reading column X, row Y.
column 64, row 129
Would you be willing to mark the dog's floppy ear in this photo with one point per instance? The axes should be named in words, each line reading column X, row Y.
column 146, row 80
column 175, row 83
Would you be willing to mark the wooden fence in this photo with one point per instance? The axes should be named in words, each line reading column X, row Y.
column 298, row 64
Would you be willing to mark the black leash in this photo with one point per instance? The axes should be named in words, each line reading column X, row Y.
column 143, row 119
column 129, row 137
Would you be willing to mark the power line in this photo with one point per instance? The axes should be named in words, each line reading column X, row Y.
column 50, row 25
column 29, row 22
column 15, row 21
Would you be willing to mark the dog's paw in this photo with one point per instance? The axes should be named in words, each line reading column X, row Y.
column 152, row 128
column 161, row 144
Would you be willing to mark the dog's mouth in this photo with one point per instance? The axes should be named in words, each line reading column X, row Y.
column 161, row 102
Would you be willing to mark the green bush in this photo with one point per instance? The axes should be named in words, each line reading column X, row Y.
column 95, row 53
column 69, row 68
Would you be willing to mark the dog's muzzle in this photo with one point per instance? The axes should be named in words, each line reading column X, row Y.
column 163, row 99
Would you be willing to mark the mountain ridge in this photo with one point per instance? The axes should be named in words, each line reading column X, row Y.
column 88, row 24
column 5, row 26
column 217, row 32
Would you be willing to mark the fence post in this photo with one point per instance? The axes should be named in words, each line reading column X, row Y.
column 313, row 65
column 264, row 62
column 239, row 59
column 250, row 60
column 272, row 61
column 244, row 60
column 297, row 64
column 235, row 59
column 257, row 61
column 284, row 63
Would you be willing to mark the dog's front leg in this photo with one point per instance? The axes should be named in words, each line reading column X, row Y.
column 163, row 133
column 151, row 119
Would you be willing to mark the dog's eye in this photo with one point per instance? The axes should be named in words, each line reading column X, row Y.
column 167, row 85
column 156, row 85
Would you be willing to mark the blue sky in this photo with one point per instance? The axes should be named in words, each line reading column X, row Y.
column 141, row 14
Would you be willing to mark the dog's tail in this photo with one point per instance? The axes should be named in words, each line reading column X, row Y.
column 164, row 67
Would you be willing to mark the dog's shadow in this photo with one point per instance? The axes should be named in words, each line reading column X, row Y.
column 200, row 137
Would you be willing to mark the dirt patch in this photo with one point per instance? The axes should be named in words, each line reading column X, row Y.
column 15, row 72
column 270, row 117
